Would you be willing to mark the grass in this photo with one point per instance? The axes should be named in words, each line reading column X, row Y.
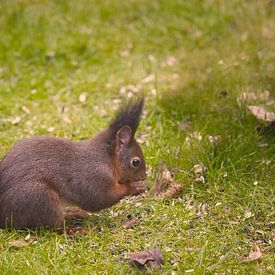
column 194, row 60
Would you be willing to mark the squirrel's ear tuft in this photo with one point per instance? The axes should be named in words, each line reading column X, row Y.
column 128, row 115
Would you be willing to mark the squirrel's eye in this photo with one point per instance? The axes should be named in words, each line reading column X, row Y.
column 135, row 162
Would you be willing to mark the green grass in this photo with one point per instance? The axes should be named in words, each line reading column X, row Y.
column 202, row 55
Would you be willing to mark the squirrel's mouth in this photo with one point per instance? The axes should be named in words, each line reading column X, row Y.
column 123, row 181
column 127, row 181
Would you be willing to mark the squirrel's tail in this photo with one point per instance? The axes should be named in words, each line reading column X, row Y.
column 129, row 114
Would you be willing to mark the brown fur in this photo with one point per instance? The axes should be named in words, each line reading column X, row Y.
column 39, row 175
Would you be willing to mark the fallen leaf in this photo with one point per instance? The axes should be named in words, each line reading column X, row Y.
column 18, row 243
column 170, row 60
column 129, row 90
column 66, row 119
column 50, row 129
column 124, row 53
column 82, row 98
column 147, row 259
column 165, row 186
column 248, row 214
column 172, row 191
column 187, row 141
column 154, row 92
column 189, row 271
column 100, row 111
column 26, row 110
column 152, row 58
column 61, row 247
column 258, row 96
column 202, row 210
column 64, row 109
column 213, row 139
column 254, row 255
column 148, row 79
column 184, row 125
column 196, row 135
column 262, row 144
column 76, row 231
column 31, row 239
column 163, row 179
column 261, row 113
column 15, row 120
column 200, row 179
column 130, row 223
column 116, row 101
column 199, row 169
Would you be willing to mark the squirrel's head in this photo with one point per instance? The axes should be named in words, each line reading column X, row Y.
column 129, row 157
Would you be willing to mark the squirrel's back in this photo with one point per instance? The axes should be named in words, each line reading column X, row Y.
column 34, row 159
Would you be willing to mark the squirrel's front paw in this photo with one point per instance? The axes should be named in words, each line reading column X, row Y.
column 137, row 188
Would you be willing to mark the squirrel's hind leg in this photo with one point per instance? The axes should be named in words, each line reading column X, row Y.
column 75, row 213
column 33, row 206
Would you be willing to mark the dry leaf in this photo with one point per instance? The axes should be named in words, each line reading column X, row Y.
column 189, row 271
column 124, row 53
column 248, row 214
column 200, row 179
column 152, row 58
column 148, row 79
column 76, row 231
column 31, row 239
column 18, row 243
column 129, row 90
column 82, row 98
column 202, row 210
column 196, row 135
column 165, row 186
column 15, row 120
column 254, row 255
column 154, row 92
column 163, row 179
column 147, row 259
column 261, row 113
column 130, row 223
column 66, row 119
column 184, row 125
column 170, row 60
column 199, row 170
column 50, row 129
column 26, row 110
column 172, row 191
column 249, row 97
column 99, row 111
column 213, row 139
column 262, row 144
column 61, row 247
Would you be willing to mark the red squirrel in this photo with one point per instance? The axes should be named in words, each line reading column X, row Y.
column 38, row 176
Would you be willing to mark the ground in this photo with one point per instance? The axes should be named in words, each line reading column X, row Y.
column 64, row 68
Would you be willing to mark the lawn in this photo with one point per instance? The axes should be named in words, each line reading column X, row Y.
column 65, row 66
